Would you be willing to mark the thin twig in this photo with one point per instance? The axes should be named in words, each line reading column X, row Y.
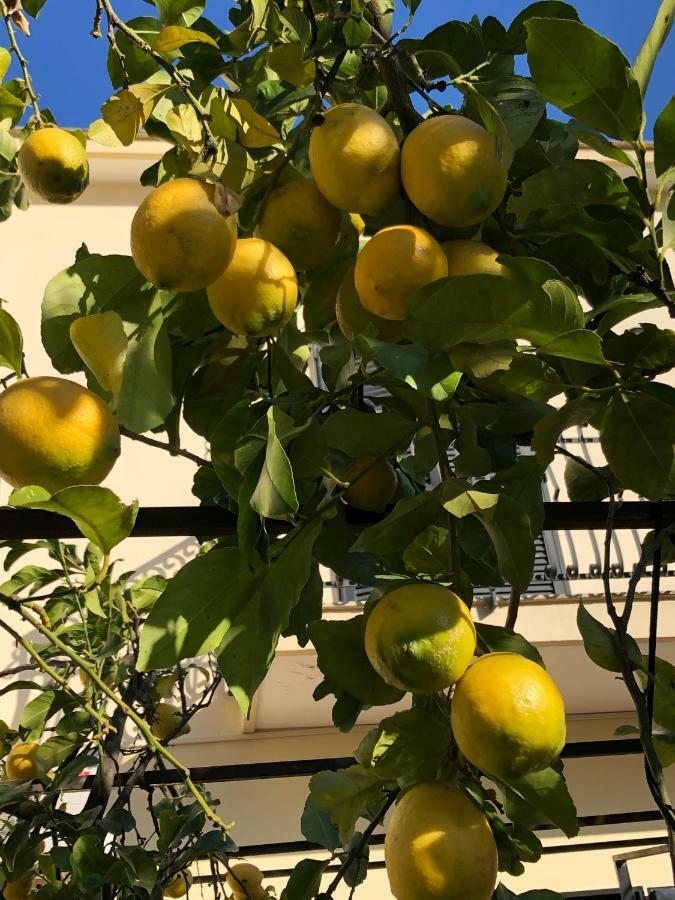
column 169, row 448
column 30, row 90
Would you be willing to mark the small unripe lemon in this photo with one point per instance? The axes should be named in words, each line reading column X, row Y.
column 55, row 433
column 451, row 171
column 396, row 262
column 353, row 318
column 21, row 762
column 19, row 890
column 354, row 157
column 508, row 716
column 180, row 240
column 258, row 292
column 374, row 484
column 439, row 846
column 473, row 258
column 248, row 876
column 53, row 163
column 300, row 221
column 166, row 718
column 178, row 887
column 420, row 638
column 84, row 677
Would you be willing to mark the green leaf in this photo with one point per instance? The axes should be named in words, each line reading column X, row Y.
column 361, row 434
column 182, row 12
column 482, row 309
column 549, row 428
column 585, row 75
column 664, row 693
column 546, row 792
column 173, row 37
column 407, row 519
column 395, row 752
column 178, row 627
column 509, row 528
column 503, row 893
column 664, row 139
column 580, row 345
column 584, row 485
column 11, row 342
column 288, row 61
column 544, row 9
column 305, row 880
column 316, row 826
column 274, row 495
column 645, row 348
column 638, row 440
column 496, row 639
column 98, row 513
column 433, row 376
column 246, row 651
column 5, row 60
column 516, row 101
column 342, row 659
column 146, row 398
column 347, row 795
column 89, row 863
column 356, row 32
column 601, row 643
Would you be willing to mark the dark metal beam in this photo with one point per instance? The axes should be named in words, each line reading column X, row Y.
column 212, row 521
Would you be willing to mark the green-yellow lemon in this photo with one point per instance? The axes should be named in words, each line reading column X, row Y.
column 180, row 241
column 258, row 292
column 245, row 876
column 53, row 163
column 420, row 638
column 299, row 220
column 508, row 716
column 178, row 887
column 355, row 159
column 374, row 484
column 473, row 258
column 165, row 719
column 395, row 263
column 21, row 762
column 55, row 433
column 352, row 317
column 439, row 846
column 451, row 171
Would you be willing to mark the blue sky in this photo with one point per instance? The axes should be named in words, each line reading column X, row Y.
column 68, row 65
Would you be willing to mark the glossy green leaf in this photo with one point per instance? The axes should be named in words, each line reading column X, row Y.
column 275, row 494
column 584, row 485
column 646, row 348
column 173, row 37
column 305, row 880
column 549, row 428
column 11, row 342
column 362, row 434
column 98, row 513
column 601, row 643
column 549, row 9
column 395, row 752
column 580, row 345
column 585, row 75
column 546, row 792
column 664, row 138
column 347, row 795
column 496, row 639
column 408, row 518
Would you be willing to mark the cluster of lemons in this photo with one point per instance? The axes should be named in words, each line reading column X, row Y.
column 507, row 719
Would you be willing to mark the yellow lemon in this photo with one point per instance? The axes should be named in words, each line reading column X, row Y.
column 420, row 638
column 178, row 887
column 258, row 292
column 473, row 258
column 19, row 890
column 355, row 159
column 508, row 716
column 451, row 171
column 166, row 718
column 300, row 221
column 53, row 163
column 179, row 239
column 21, row 762
column 395, row 263
column 245, row 876
column 439, row 846
column 352, row 317
column 373, row 490
column 55, row 433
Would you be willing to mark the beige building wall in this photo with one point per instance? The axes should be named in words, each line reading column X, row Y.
column 286, row 723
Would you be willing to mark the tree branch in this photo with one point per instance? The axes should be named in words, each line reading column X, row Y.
column 30, row 90
column 161, row 445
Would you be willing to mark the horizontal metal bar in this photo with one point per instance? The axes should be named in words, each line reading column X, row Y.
column 212, row 521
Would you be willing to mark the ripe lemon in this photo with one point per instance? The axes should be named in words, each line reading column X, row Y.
column 300, row 221
column 258, row 292
column 395, row 263
column 352, row 317
column 439, row 846
column 177, row 888
column 420, row 638
column 53, row 163
column 166, row 718
column 55, row 433
column 451, row 171
column 355, row 159
column 248, row 876
column 508, row 716
column 21, row 762
column 19, row 890
column 374, row 489
column 179, row 239
column 473, row 258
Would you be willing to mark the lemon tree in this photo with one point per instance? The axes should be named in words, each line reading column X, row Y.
column 375, row 275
